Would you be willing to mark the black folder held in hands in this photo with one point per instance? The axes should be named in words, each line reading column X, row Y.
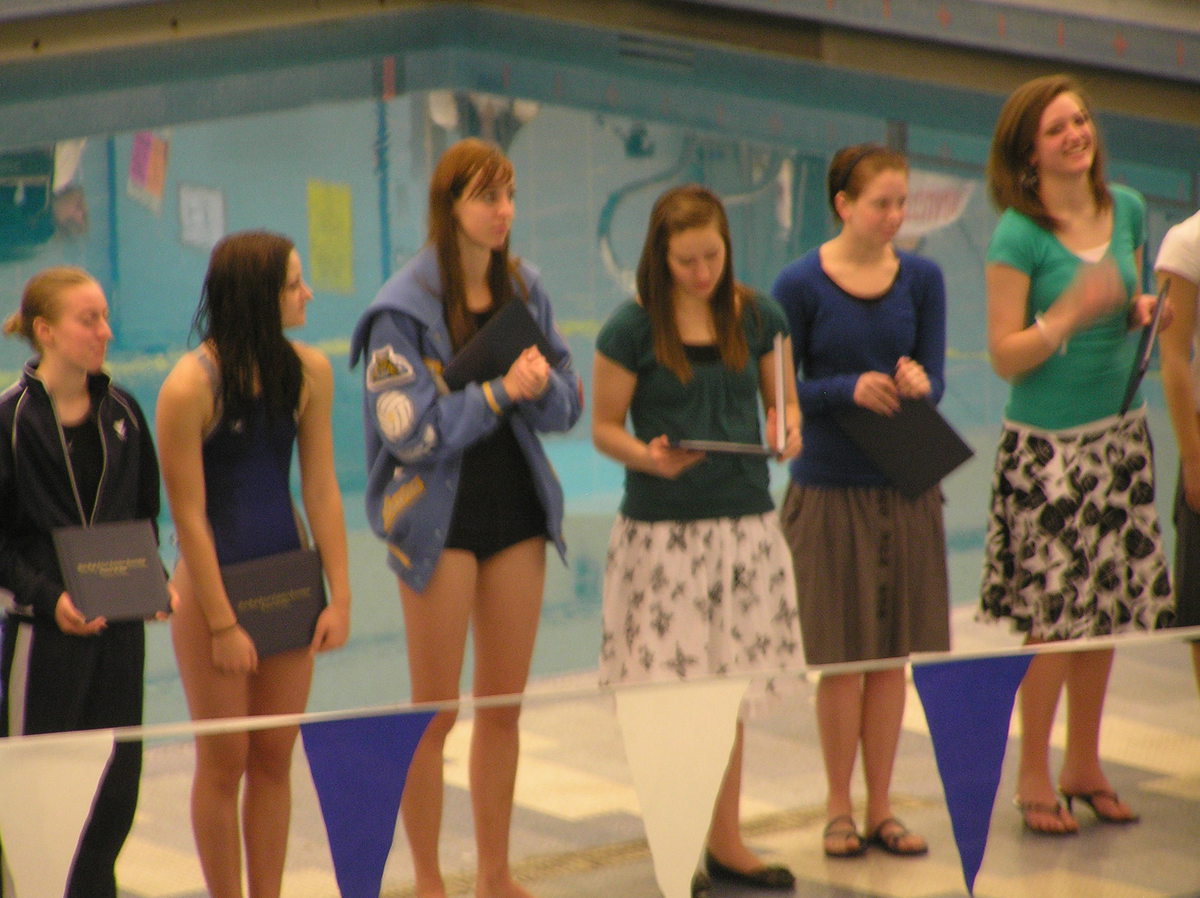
column 277, row 598
column 915, row 448
column 1145, row 349
column 113, row 570
column 781, row 365
column 496, row 345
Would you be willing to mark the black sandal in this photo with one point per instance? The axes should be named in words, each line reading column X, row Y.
column 843, row 827
column 890, row 841
column 1090, row 798
column 1055, row 810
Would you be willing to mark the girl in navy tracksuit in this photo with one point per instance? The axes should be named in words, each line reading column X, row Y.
column 74, row 450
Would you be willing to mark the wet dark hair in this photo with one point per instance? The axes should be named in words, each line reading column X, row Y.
column 240, row 317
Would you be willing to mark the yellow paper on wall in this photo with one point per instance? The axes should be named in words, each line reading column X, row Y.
column 330, row 236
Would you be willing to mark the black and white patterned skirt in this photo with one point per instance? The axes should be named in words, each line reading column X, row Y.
column 689, row 599
column 1073, row 545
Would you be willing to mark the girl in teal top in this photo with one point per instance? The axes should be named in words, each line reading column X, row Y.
column 1086, row 381
column 1073, row 543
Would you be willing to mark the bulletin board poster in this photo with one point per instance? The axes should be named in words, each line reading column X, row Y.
column 148, row 168
column 201, row 216
column 330, row 237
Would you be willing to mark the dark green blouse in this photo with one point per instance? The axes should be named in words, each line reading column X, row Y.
column 717, row 404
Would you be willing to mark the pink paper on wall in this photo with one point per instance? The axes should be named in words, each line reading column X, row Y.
column 148, row 169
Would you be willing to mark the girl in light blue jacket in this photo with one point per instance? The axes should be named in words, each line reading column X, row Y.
column 461, row 491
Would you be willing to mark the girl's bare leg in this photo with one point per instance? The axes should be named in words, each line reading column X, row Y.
column 506, row 617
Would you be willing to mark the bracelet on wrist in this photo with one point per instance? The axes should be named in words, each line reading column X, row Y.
column 1059, row 346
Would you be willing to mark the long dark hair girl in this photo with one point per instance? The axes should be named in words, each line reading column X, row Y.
column 239, row 315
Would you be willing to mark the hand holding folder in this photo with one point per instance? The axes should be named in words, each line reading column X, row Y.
column 915, row 448
column 780, row 409
column 496, row 345
column 113, row 570
column 277, row 598
column 1145, row 348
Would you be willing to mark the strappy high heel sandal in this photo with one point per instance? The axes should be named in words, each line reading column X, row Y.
column 1090, row 799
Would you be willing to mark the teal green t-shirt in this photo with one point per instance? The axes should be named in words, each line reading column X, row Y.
column 1087, row 382
column 717, row 404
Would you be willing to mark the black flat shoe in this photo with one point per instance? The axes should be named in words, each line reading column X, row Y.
column 772, row 876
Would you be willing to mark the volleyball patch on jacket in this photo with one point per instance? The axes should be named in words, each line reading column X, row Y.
column 388, row 369
column 394, row 412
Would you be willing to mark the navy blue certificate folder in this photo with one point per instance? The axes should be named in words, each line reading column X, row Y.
column 915, row 448
column 722, row 446
column 113, row 570
column 496, row 345
column 277, row 598
column 1145, row 349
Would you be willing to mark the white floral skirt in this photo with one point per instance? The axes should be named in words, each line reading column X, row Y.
column 685, row 600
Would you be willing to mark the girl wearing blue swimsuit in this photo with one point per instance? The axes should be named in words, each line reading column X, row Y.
column 229, row 414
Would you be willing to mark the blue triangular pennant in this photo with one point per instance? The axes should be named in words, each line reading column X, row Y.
column 968, row 705
column 359, row 767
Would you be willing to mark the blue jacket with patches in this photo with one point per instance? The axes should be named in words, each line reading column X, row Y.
column 416, row 429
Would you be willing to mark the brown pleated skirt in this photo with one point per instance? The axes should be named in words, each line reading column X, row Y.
column 870, row 572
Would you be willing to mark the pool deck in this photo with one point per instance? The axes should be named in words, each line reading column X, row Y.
column 577, row 831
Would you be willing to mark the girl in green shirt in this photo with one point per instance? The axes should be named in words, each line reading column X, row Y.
column 1073, row 545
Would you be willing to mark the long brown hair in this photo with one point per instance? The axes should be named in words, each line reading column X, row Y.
column 239, row 315
column 1012, row 179
column 41, row 299
column 459, row 165
column 681, row 209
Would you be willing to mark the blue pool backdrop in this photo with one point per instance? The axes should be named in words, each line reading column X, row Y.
column 329, row 135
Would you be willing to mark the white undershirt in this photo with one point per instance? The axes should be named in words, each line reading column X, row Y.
column 1095, row 254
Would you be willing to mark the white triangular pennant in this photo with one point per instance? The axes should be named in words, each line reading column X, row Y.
column 677, row 741
column 49, row 784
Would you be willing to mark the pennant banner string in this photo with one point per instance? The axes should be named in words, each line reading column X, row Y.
column 538, row 695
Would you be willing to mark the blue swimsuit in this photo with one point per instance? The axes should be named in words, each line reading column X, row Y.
column 247, row 468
